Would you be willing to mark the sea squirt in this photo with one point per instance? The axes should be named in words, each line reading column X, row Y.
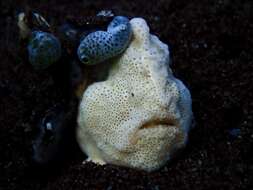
column 44, row 49
column 102, row 45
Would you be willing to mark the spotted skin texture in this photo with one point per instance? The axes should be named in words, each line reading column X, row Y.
column 44, row 49
column 102, row 45
column 141, row 114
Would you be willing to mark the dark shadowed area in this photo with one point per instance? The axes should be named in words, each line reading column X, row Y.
column 211, row 44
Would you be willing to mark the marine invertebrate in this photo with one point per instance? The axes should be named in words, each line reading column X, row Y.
column 100, row 45
column 29, row 21
column 44, row 49
column 76, row 28
column 141, row 114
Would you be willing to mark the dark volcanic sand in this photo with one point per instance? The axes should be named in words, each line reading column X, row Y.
column 211, row 43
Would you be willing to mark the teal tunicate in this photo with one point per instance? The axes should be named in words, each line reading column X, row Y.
column 44, row 49
column 102, row 45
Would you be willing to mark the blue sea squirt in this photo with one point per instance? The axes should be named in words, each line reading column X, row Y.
column 44, row 49
column 102, row 45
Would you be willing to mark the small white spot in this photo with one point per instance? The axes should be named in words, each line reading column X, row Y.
column 106, row 13
column 49, row 126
